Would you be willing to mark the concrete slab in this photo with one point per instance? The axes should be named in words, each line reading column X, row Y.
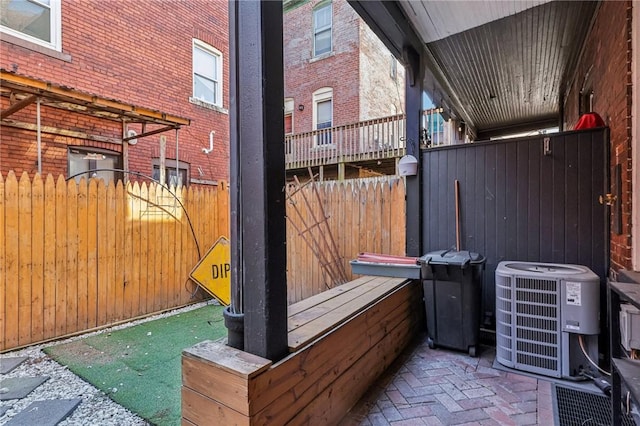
column 8, row 364
column 19, row 387
column 4, row 409
column 45, row 413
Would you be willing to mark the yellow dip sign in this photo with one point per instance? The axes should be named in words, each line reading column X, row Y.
column 213, row 272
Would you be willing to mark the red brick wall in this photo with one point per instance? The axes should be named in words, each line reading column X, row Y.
column 305, row 74
column 605, row 68
column 137, row 52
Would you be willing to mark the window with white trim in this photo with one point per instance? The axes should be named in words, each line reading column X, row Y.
column 207, row 73
column 322, row 22
column 173, row 176
column 323, row 114
column 37, row 21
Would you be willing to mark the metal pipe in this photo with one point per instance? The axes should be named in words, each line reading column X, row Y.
column 208, row 150
column 39, row 137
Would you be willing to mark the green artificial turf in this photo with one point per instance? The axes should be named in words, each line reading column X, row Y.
column 139, row 367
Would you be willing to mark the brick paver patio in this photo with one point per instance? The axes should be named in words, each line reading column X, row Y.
column 442, row 387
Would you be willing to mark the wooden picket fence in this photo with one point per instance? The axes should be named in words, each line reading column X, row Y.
column 361, row 214
column 80, row 256
column 74, row 257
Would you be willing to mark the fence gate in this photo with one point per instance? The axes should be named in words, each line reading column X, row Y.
column 520, row 201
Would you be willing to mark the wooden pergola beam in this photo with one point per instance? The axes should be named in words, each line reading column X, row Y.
column 18, row 106
column 30, row 86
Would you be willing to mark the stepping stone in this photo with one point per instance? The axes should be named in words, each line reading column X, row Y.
column 45, row 413
column 19, row 387
column 8, row 364
column 4, row 409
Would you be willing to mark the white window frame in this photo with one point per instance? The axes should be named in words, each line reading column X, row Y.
column 328, row 27
column 321, row 95
column 199, row 44
column 55, row 25
column 169, row 167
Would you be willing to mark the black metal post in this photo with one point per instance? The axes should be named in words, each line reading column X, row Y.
column 258, row 228
column 413, row 104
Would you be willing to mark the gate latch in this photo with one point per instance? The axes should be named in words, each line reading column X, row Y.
column 607, row 199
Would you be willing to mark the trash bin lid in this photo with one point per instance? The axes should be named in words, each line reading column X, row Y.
column 452, row 257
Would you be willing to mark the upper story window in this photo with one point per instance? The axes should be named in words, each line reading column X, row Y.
column 207, row 73
column 323, row 114
column 37, row 21
column 322, row 21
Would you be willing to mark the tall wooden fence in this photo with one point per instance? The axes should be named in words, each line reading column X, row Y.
column 79, row 256
column 362, row 215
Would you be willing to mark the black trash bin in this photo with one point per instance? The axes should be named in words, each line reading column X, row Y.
column 452, row 283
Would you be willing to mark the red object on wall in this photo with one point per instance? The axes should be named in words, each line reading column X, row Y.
column 589, row 121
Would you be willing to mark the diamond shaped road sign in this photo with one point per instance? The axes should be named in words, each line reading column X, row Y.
column 213, row 272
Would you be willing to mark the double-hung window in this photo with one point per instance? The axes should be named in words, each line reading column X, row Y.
column 207, row 73
column 322, row 20
column 323, row 114
column 37, row 21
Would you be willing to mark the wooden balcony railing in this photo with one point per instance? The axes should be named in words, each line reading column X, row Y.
column 375, row 139
column 366, row 140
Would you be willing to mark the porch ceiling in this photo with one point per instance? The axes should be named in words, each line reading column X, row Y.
column 499, row 66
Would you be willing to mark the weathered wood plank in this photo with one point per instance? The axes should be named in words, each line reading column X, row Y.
column 37, row 256
column 336, row 312
column 222, row 373
column 24, row 262
column 119, row 261
column 49, row 284
column 201, row 410
column 301, row 370
column 129, row 284
column 103, row 255
column 61, row 257
column 316, row 299
column 3, row 271
column 92, row 254
column 12, row 233
column 333, row 402
column 71, row 273
column 82, row 251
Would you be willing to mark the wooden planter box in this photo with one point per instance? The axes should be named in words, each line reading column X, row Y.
column 340, row 341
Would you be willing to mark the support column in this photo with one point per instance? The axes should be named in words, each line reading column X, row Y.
column 258, row 229
column 413, row 100
column 341, row 171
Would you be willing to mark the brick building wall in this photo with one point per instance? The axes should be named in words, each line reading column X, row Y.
column 140, row 53
column 357, row 68
column 605, row 69
column 381, row 90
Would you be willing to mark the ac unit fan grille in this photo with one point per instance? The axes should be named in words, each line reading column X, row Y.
column 528, row 314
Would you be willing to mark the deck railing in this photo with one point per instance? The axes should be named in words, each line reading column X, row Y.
column 375, row 139
column 365, row 140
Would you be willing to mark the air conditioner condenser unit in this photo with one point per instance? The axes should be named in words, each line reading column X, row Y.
column 544, row 312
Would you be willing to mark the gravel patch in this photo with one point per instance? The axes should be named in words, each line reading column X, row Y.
column 96, row 407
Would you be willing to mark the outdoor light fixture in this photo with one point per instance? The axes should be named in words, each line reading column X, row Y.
column 300, row 107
